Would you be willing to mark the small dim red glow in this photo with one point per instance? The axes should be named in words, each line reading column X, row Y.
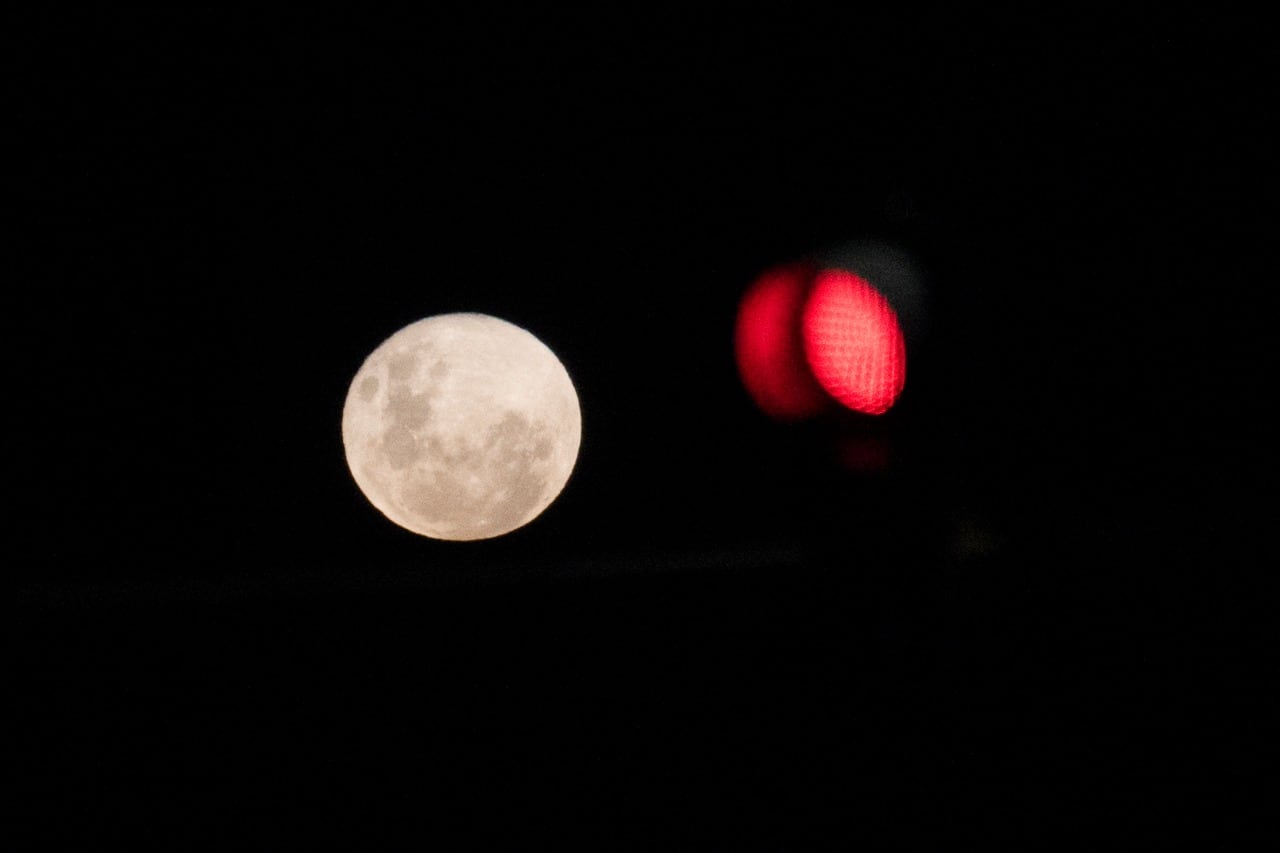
column 769, row 351
column 853, row 342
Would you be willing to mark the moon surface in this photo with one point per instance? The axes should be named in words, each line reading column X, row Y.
column 461, row 426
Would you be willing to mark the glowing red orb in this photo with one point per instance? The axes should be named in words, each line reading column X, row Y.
column 853, row 342
column 767, row 345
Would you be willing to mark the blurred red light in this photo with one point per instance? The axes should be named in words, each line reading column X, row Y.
column 767, row 344
column 853, row 342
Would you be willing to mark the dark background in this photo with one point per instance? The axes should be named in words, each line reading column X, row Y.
column 1028, row 625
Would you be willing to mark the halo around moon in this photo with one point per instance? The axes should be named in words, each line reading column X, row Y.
column 461, row 426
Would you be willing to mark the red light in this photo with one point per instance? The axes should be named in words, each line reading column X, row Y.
column 853, row 342
column 768, row 347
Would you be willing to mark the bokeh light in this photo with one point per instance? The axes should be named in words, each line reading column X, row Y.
column 768, row 348
column 853, row 342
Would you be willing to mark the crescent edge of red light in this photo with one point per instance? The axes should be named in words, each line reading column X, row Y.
column 853, row 342
column 768, row 349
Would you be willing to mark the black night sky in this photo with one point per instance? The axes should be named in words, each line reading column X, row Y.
column 1024, row 626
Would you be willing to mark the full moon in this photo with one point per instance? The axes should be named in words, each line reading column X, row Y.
column 461, row 426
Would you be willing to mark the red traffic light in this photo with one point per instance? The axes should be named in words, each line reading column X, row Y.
column 768, row 348
column 853, row 342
